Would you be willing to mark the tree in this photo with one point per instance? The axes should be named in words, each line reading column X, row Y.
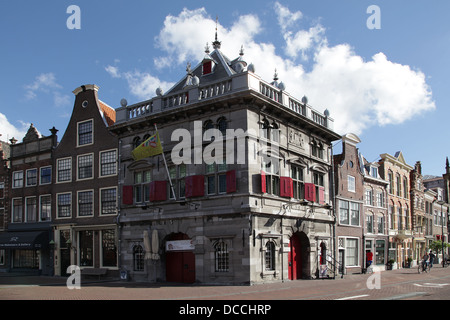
column 436, row 246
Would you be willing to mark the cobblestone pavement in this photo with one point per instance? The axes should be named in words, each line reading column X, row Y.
column 399, row 284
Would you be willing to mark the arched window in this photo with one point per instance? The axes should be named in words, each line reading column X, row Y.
column 222, row 126
column 136, row 142
column 270, row 255
column 221, row 256
column 275, row 132
column 265, row 127
column 138, row 258
column 323, row 253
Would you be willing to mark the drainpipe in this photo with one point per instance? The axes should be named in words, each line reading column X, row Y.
column 119, row 227
column 333, row 197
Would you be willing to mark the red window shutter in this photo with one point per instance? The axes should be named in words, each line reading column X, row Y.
column 207, row 67
column 263, row 182
column 158, row 191
column 127, row 195
column 286, row 187
column 321, row 195
column 231, row 181
column 310, row 192
column 194, row 186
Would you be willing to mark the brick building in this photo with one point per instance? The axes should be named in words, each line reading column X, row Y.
column 85, row 187
column 376, row 219
column 349, row 194
column 25, row 240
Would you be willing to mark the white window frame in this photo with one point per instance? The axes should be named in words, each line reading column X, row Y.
column 40, row 175
column 35, row 209
column 78, row 133
column 100, row 163
column 100, row 201
column 26, row 177
column 13, row 209
column 70, row 205
column 40, row 207
column 351, row 183
column 92, row 166
column 14, row 186
column 58, row 169
column 78, row 204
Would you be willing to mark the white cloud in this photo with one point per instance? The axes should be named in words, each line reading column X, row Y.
column 113, row 71
column 358, row 93
column 141, row 84
column 9, row 131
column 46, row 83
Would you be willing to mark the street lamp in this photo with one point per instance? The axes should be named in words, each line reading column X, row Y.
column 442, row 231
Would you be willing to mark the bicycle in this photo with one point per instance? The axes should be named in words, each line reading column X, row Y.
column 423, row 266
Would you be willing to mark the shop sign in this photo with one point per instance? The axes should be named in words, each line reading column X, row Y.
column 180, row 245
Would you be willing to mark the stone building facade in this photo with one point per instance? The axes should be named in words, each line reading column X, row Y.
column 249, row 195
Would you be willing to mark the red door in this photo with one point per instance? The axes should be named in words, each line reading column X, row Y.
column 180, row 265
column 295, row 258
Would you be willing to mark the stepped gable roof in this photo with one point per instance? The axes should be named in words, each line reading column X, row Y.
column 31, row 135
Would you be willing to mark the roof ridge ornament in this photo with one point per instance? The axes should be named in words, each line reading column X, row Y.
column 216, row 43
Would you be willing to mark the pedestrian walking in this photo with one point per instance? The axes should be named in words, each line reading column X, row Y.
column 369, row 258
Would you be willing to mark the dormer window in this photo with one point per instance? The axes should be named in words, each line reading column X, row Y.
column 374, row 172
column 207, row 67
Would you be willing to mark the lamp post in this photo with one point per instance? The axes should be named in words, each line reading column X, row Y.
column 442, row 231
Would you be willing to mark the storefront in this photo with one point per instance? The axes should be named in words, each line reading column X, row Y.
column 26, row 251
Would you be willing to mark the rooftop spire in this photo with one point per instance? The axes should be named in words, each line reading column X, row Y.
column 216, row 43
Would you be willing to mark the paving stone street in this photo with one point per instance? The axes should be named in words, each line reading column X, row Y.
column 398, row 284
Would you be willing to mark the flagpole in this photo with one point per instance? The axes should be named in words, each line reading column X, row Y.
column 165, row 163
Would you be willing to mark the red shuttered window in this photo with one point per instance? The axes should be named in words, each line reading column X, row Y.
column 310, row 192
column 263, row 182
column 286, row 187
column 127, row 194
column 158, row 191
column 231, row 181
column 194, row 186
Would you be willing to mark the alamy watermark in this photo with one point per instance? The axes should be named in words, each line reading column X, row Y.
column 74, row 280
column 74, row 20
column 374, row 21
column 241, row 146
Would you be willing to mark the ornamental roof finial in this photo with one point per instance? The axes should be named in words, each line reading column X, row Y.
column 216, row 43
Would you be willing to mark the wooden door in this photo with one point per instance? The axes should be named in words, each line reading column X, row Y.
column 295, row 258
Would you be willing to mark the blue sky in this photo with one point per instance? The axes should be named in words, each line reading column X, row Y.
column 388, row 85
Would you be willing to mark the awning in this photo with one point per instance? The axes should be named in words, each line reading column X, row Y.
column 24, row 240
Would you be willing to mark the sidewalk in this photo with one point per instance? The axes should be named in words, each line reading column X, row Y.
column 22, row 287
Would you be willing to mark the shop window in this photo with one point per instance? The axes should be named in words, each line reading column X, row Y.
column 109, row 248
column 86, row 248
